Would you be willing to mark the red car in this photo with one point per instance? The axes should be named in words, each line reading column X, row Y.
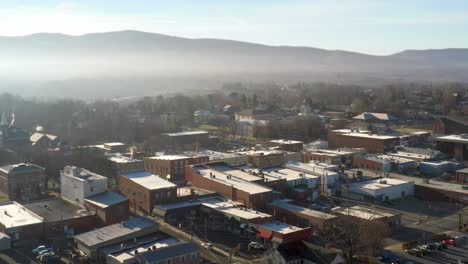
column 449, row 242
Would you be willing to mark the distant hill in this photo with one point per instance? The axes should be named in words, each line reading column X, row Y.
column 141, row 59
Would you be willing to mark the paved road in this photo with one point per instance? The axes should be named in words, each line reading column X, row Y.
column 446, row 256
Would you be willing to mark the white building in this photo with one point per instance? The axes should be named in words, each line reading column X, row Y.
column 78, row 184
column 380, row 189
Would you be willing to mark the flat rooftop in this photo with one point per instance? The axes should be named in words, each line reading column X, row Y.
column 188, row 190
column 365, row 135
column 302, row 210
column 220, row 177
column 262, row 152
column 114, row 231
column 213, row 155
column 286, row 141
column 310, row 168
column 81, row 174
column 276, row 173
column 242, row 175
column 114, row 144
column 55, row 210
column 231, row 208
column 281, row 228
column 13, row 214
column 123, row 159
column 409, row 155
column 448, row 186
column 350, row 130
column 187, row 133
column 170, row 157
column 380, row 183
column 148, row 180
column 365, row 213
column 106, row 199
column 453, row 139
column 129, row 253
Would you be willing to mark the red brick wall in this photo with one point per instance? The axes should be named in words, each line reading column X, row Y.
column 112, row 214
column 363, row 163
column 80, row 224
column 372, row 145
column 461, row 178
column 426, row 193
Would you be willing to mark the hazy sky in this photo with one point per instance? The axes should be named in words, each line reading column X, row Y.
column 369, row 26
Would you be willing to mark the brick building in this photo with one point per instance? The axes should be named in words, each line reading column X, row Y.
column 282, row 233
column 189, row 140
column 449, row 125
column 119, row 164
column 18, row 222
column 250, row 194
column 144, row 190
column 454, row 146
column 173, row 165
column 462, row 176
column 109, row 207
column 337, row 157
column 287, row 145
column 62, row 218
column 301, row 216
column 76, row 184
column 23, row 182
column 373, row 143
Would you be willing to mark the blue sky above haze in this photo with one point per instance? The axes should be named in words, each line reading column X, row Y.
column 368, row 26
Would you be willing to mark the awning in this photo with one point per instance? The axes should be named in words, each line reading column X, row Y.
column 264, row 234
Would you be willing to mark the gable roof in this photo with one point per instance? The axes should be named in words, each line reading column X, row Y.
column 367, row 116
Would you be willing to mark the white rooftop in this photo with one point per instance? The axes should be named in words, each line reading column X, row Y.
column 302, row 210
column 236, row 183
column 130, row 253
column 170, row 157
column 13, row 214
column 454, row 138
column 310, row 168
column 283, row 173
column 82, row 174
column 364, row 135
column 286, row 141
column 362, row 212
column 281, row 228
column 232, row 208
column 113, row 144
column 213, row 155
column 380, row 183
column 123, row 159
column 148, row 180
column 106, row 199
column 242, row 175
column 187, row 133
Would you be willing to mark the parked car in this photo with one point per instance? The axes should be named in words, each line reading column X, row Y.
column 425, row 249
column 50, row 259
column 45, row 255
column 39, row 249
column 414, row 252
column 435, row 246
column 255, row 245
column 449, row 242
column 207, row 245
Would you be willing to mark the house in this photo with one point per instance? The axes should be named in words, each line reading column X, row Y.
column 144, row 190
column 375, row 117
column 77, row 184
column 44, row 141
column 93, row 241
column 23, row 182
column 302, row 252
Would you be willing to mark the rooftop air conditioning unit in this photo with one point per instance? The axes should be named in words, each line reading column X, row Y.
column 383, row 181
